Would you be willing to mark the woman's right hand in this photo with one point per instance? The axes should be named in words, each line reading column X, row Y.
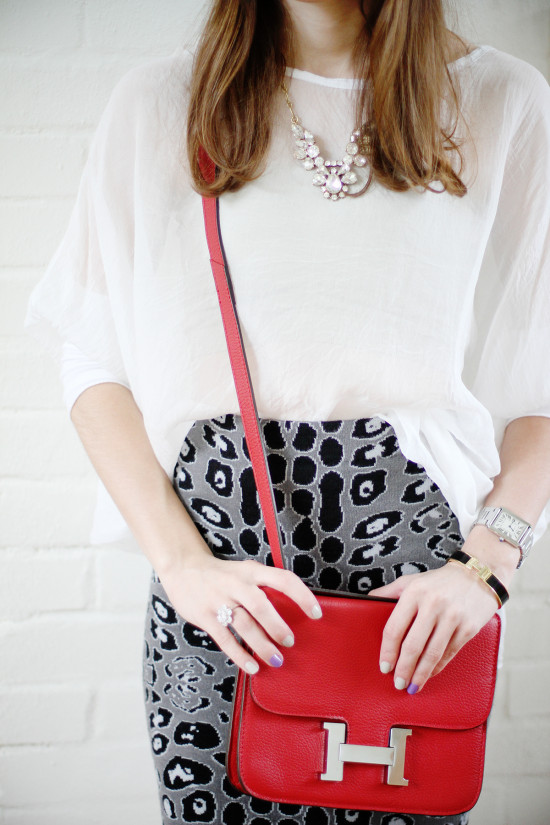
column 198, row 584
column 112, row 430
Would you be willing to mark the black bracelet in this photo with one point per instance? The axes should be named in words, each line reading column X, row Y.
column 485, row 574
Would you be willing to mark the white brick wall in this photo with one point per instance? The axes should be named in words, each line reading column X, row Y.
column 73, row 741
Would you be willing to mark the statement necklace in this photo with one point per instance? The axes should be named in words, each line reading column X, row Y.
column 335, row 178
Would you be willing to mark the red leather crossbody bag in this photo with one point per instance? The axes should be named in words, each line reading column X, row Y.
column 327, row 728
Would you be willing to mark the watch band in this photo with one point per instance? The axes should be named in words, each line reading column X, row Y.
column 483, row 572
column 489, row 515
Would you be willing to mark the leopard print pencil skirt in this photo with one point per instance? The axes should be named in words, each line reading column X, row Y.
column 354, row 514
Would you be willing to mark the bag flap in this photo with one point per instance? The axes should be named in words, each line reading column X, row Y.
column 336, row 657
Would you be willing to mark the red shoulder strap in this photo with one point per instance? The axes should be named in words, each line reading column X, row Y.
column 239, row 363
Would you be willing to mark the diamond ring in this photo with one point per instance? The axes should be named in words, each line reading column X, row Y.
column 225, row 614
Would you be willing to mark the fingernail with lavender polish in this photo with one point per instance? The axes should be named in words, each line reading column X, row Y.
column 412, row 689
column 276, row 660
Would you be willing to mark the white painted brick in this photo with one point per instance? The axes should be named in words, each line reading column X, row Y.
column 122, row 579
column 80, row 648
column 514, row 28
column 519, row 751
column 49, row 714
column 41, row 445
column 534, row 575
column 528, row 693
column 528, row 801
column 29, row 377
column 490, row 806
column 41, row 165
column 119, row 711
column 57, row 91
column 77, row 773
column 32, row 230
column 138, row 808
column 126, row 26
column 527, row 629
column 35, row 27
column 45, row 514
column 35, row 582
column 15, row 288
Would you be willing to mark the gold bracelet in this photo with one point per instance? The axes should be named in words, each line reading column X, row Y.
column 483, row 572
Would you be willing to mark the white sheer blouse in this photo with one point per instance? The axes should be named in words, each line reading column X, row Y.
column 429, row 310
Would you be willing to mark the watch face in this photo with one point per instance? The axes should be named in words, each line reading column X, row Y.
column 509, row 526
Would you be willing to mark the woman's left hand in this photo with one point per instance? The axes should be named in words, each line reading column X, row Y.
column 436, row 614
column 440, row 610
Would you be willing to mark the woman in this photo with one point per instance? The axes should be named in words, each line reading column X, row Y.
column 395, row 340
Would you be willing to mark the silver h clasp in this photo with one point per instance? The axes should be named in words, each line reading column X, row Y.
column 337, row 752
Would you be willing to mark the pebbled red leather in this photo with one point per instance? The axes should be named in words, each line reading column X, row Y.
column 277, row 746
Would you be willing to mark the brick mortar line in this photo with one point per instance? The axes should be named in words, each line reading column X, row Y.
column 45, row 200
column 111, row 57
column 126, row 60
column 92, row 616
column 45, row 747
column 50, row 130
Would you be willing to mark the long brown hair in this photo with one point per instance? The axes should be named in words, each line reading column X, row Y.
column 402, row 50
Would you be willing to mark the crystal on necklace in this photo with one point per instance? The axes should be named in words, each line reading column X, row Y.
column 313, row 150
column 299, row 154
column 297, row 130
column 352, row 148
column 308, row 164
column 360, row 160
column 333, row 184
column 318, row 179
column 349, row 177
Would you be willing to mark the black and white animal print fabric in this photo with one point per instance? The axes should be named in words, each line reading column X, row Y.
column 354, row 514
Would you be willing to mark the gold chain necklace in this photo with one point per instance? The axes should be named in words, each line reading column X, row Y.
column 335, row 178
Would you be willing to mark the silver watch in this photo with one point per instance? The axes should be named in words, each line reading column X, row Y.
column 508, row 527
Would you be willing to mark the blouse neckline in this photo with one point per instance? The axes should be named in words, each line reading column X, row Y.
column 357, row 83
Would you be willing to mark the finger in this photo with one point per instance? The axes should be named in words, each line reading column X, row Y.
column 227, row 642
column 250, row 631
column 394, row 589
column 458, row 640
column 395, row 629
column 291, row 585
column 413, row 644
column 256, row 602
column 435, row 650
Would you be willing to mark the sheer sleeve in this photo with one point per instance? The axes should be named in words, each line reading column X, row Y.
column 81, row 304
column 508, row 356
column 507, row 365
